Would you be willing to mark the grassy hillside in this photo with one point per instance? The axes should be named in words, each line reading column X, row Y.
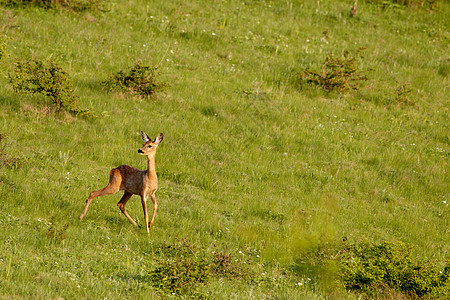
column 257, row 170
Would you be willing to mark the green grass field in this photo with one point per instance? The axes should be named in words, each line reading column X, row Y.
column 251, row 162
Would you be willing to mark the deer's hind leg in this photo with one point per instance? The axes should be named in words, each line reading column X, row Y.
column 126, row 196
column 115, row 178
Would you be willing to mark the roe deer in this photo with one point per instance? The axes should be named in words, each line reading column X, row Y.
column 133, row 181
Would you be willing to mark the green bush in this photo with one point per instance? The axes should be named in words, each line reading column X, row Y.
column 370, row 267
column 139, row 80
column 184, row 268
column 48, row 79
column 181, row 275
column 338, row 74
column 181, row 270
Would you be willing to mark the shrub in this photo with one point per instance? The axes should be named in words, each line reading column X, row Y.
column 338, row 74
column 48, row 79
column 181, row 275
column 184, row 268
column 139, row 80
column 370, row 267
column 374, row 269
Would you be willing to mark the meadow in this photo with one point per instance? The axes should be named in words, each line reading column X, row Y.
column 261, row 175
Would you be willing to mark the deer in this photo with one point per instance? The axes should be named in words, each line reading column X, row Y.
column 134, row 182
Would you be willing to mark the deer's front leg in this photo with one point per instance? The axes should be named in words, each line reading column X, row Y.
column 155, row 207
column 144, row 207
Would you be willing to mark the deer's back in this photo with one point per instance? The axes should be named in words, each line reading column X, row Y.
column 131, row 179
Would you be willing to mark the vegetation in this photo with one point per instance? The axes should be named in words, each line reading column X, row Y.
column 336, row 74
column 372, row 267
column 140, row 80
column 186, row 269
column 48, row 79
column 335, row 190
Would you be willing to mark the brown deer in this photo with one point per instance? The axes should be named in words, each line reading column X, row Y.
column 134, row 182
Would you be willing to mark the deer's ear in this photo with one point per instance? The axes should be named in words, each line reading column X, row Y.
column 159, row 139
column 145, row 137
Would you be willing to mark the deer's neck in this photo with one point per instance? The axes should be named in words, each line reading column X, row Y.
column 151, row 170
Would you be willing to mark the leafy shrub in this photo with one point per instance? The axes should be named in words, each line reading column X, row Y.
column 374, row 270
column 370, row 267
column 181, row 275
column 139, row 80
column 338, row 74
column 77, row 5
column 184, row 268
column 48, row 79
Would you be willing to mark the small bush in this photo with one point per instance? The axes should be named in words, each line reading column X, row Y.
column 139, row 80
column 181, row 275
column 181, row 270
column 339, row 74
column 48, row 79
column 368, row 267
column 184, row 268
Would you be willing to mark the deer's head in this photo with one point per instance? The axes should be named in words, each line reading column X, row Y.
column 149, row 147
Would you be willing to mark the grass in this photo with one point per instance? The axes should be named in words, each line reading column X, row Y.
column 248, row 160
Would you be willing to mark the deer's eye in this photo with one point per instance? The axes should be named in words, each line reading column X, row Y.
column 149, row 146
